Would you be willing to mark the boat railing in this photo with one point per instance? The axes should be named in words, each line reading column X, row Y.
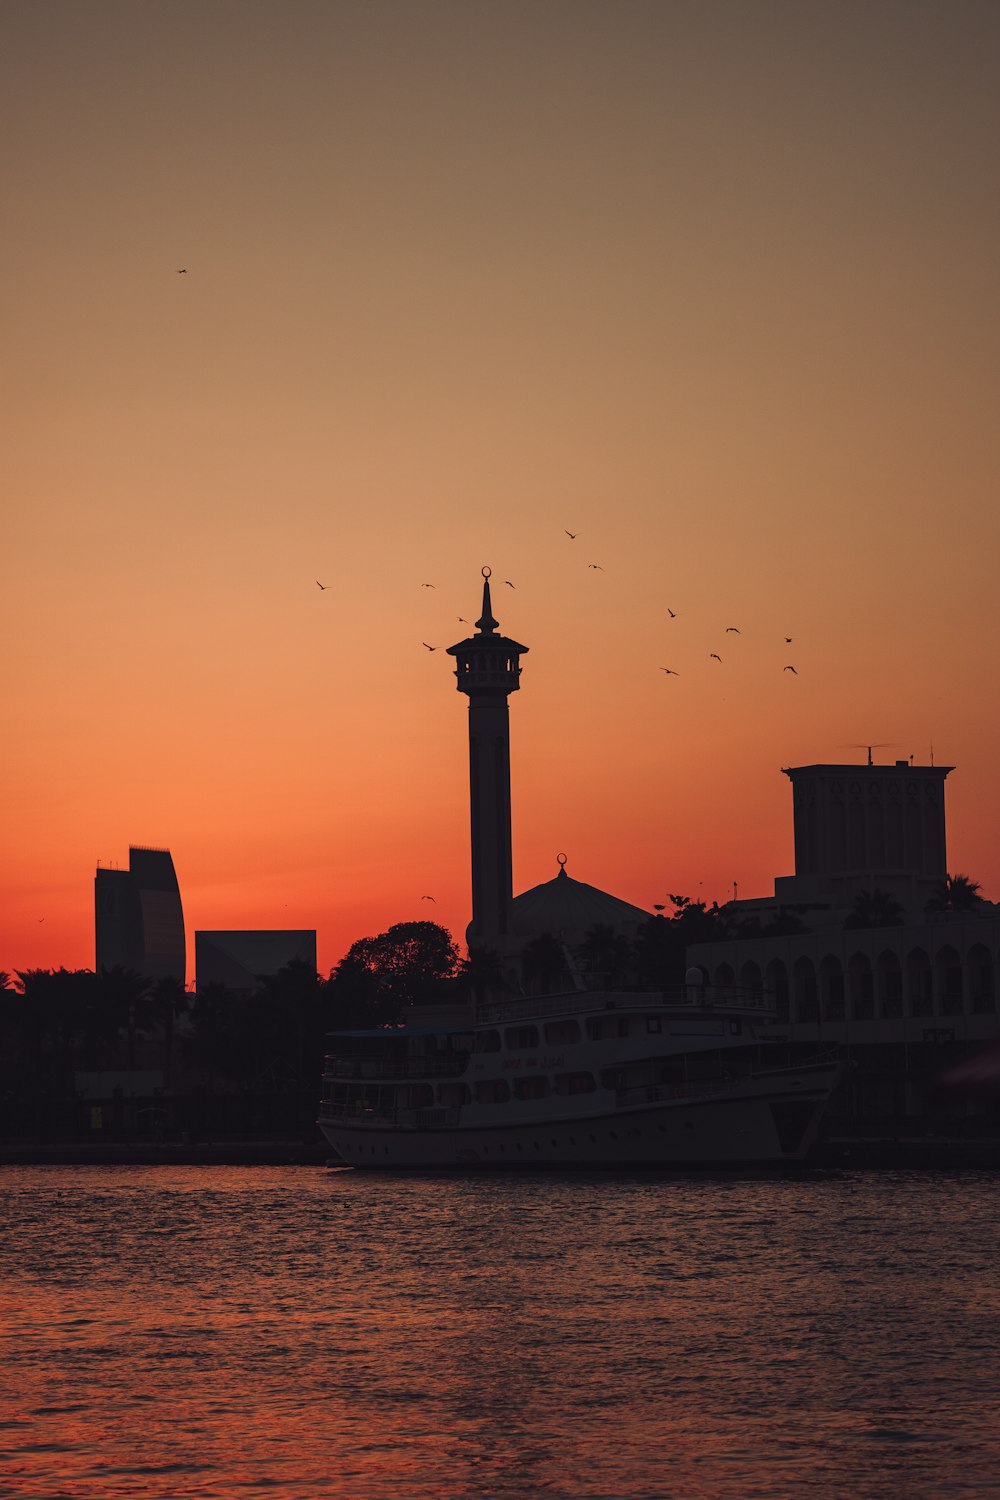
column 431, row 1065
column 357, row 1112
column 580, row 1002
column 437, row 1115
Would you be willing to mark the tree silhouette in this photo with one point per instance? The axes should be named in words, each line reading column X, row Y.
column 874, row 909
column 543, row 964
column 380, row 977
column 483, row 972
column 168, row 1003
column 606, row 955
column 955, row 893
column 125, row 995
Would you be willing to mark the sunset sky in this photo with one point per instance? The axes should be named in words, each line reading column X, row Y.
column 711, row 283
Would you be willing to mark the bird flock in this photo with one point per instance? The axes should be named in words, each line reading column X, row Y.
column 672, row 614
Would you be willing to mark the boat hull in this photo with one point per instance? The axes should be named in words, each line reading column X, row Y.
column 764, row 1120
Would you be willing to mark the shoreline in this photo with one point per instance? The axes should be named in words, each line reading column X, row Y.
column 842, row 1153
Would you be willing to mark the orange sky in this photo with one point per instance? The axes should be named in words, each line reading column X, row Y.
column 712, row 284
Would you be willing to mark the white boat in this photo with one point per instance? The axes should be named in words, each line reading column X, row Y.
column 584, row 1079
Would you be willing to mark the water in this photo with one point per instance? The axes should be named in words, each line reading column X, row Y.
column 292, row 1332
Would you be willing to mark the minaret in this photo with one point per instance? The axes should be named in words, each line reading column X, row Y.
column 486, row 668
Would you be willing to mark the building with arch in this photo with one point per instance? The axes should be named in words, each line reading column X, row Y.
column 905, row 998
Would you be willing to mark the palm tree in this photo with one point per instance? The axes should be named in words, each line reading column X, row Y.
column 606, row 954
column 544, row 963
column 169, row 1001
column 955, row 893
column 125, row 996
column 875, row 909
column 483, row 972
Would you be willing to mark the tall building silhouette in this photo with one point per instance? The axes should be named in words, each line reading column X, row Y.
column 858, row 827
column 487, row 670
column 138, row 917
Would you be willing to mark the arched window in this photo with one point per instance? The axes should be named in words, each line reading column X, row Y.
column 948, row 981
column 861, row 987
column 776, row 980
column 982, row 986
column 918, row 983
column 804, row 990
column 724, row 976
column 831, row 988
column 751, row 978
column 889, row 985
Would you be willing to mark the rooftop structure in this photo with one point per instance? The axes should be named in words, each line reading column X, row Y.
column 239, row 959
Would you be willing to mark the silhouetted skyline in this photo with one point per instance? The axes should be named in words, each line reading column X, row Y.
column 679, row 318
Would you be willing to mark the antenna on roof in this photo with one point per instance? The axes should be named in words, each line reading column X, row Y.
column 878, row 745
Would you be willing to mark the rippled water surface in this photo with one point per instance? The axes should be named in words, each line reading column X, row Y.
column 296, row 1332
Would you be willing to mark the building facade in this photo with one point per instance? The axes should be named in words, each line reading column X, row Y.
column 138, row 916
column 239, row 959
column 906, row 998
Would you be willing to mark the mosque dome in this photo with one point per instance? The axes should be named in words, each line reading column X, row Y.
column 569, row 908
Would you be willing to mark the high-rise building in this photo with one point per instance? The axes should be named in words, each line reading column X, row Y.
column 138, row 917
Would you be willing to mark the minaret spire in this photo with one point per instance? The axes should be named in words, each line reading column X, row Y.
column 487, row 671
column 486, row 623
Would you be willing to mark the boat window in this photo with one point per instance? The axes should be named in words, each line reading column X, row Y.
column 416, row 1096
column 487, row 1041
column 735, row 1028
column 520, row 1037
column 453, row 1094
column 696, row 1025
column 574, row 1083
column 492, row 1091
column 653, row 1023
column 557, row 1033
column 536, row 1087
column 601, row 1028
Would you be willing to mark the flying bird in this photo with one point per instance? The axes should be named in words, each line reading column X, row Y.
column 430, row 648
column 788, row 640
column 41, row 919
column 429, row 898
column 428, row 585
column 791, row 669
column 322, row 585
column 570, row 534
column 462, row 620
column 715, row 656
column 670, row 671
column 597, row 566
column 508, row 583
column 183, row 270
column 733, row 630
column 671, row 613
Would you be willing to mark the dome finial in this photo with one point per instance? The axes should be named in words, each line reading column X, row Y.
column 486, row 623
column 561, row 862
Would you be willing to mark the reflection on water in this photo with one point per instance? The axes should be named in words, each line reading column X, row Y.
column 292, row 1332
